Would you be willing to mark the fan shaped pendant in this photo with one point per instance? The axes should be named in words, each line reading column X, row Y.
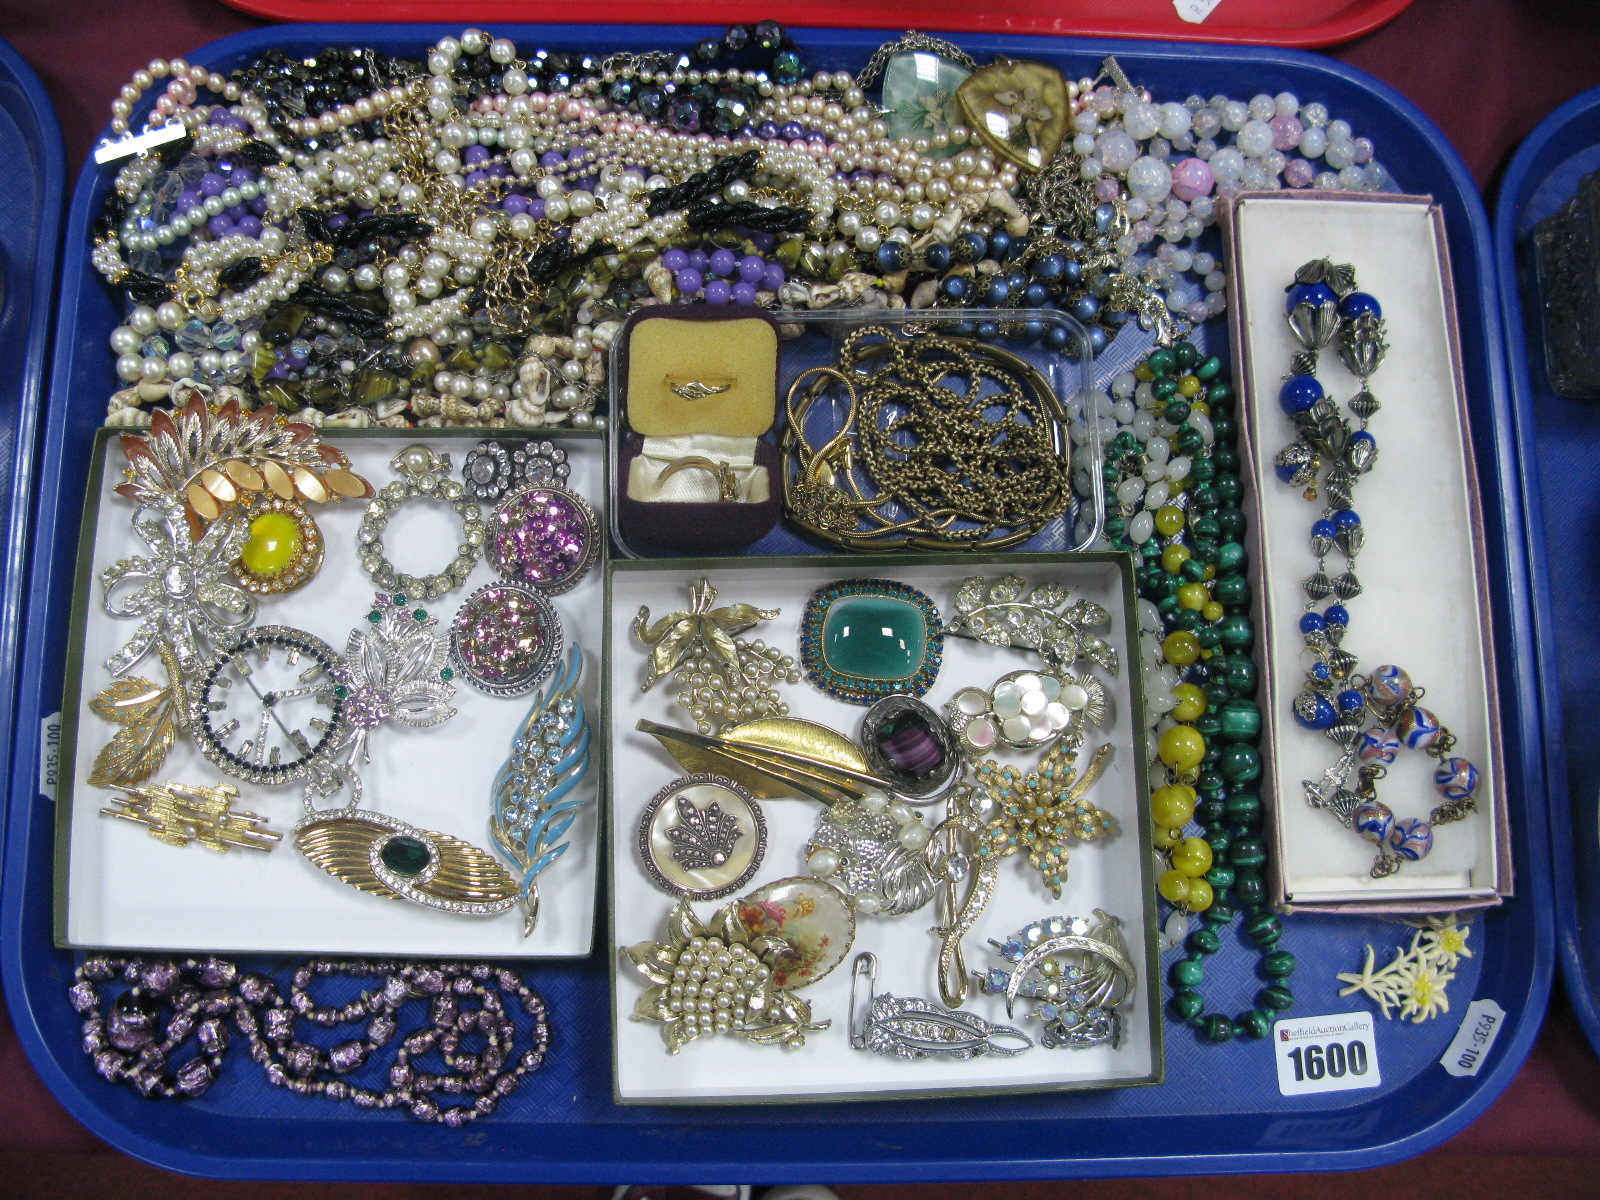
column 376, row 853
column 1018, row 109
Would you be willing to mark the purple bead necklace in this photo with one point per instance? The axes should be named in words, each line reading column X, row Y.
column 132, row 1045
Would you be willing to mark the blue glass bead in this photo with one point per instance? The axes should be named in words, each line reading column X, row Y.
column 936, row 256
column 1321, row 672
column 1346, row 517
column 971, row 246
column 1350, row 700
column 1362, row 448
column 1456, row 779
column 988, row 330
column 957, row 287
column 1103, row 216
column 1051, row 266
column 1377, row 745
column 1359, row 304
column 1286, row 471
column 891, row 257
column 1099, row 339
column 1388, row 684
column 1411, row 838
column 997, row 292
column 1299, row 393
column 999, row 245
column 1323, row 528
column 963, row 328
column 1373, row 821
column 1037, row 295
column 1032, row 331
column 1336, row 614
column 1419, row 728
column 1086, row 308
column 1314, row 294
column 1313, row 711
column 1116, row 318
column 1057, row 337
column 1017, row 278
column 1311, row 623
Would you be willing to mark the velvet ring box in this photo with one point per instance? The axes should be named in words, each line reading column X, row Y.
column 697, row 470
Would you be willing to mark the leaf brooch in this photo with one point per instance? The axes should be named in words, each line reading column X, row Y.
column 722, row 680
column 549, row 758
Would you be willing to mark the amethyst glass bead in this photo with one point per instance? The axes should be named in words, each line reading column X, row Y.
column 194, row 1077
column 744, row 293
column 347, row 1056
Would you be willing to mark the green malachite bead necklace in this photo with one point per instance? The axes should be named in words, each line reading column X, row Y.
column 1174, row 472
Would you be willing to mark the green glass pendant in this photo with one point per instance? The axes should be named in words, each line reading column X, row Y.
column 919, row 98
column 863, row 639
column 1019, row 109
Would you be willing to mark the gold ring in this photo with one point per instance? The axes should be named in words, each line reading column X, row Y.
column 698, row 389
column 727, row 482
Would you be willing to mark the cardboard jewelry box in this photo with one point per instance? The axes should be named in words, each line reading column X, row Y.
column 1113, row 873
column 119, row 887
column 1425, row 599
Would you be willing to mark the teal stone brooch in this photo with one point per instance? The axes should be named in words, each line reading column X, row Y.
column 864, row 639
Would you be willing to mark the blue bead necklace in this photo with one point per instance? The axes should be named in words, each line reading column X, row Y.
column 1324, row 304
column 1329, row 455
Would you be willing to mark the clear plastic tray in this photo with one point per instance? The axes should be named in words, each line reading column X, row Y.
column 809, row 340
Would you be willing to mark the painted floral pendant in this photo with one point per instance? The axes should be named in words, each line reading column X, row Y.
column 919, row 97
column 1019, row 109
column 814, row 921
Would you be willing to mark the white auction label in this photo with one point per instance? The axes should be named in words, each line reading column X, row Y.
column 1325, row 1054
column 49, row 755
column 1194, row 11
column 1474, row 1039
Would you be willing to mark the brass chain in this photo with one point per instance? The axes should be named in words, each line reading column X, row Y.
column 965, row 439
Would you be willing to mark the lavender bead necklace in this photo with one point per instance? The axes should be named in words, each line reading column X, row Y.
column 132, row 1045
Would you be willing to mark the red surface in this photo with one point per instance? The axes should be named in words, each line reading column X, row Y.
column 1485, row 70
column 1267, row 22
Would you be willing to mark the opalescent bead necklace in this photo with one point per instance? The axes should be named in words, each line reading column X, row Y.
column 1186, row 525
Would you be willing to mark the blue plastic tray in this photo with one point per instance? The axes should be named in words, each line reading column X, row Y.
column 1560, row 437
column 33, row 180
column 1219, row 1110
